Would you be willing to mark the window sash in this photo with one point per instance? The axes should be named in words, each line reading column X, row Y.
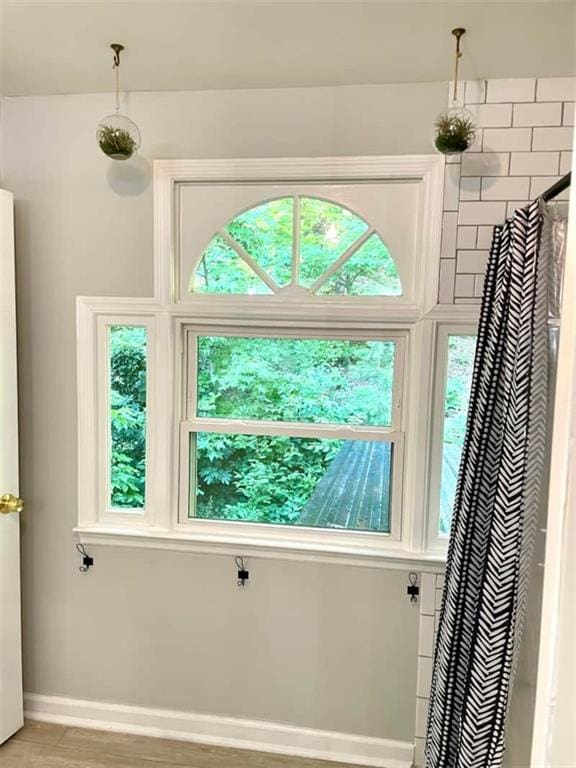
column 192, row 423
column 106, row 512
column 438, row 541
column 200, row 425
column 291, row 429
column 399, row 338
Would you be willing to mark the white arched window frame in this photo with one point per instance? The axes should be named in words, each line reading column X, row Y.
column 299, row 247
column 173, row 316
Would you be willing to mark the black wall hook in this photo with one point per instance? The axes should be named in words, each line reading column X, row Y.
column 243, row 574
column 87, row 561
column 413, row 589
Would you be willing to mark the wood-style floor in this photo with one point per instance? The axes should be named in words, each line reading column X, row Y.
column 42, row 745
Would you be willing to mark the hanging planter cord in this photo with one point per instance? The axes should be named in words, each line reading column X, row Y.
column 117, row 48
column 458, row 32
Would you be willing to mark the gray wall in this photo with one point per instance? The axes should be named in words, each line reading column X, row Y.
column 311, row 644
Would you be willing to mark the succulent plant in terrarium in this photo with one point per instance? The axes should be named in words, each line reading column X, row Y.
column 116, row 142
column 455, row 132
column 118, row 136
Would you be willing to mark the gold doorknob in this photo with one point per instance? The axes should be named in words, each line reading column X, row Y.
column 10, row 503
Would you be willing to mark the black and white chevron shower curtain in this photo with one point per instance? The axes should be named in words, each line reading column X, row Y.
column 496, row 507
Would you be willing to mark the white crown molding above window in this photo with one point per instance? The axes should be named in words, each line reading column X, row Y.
column 258, row 735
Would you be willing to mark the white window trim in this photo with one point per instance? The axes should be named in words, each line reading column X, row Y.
column 159, row 526
column 393, row 434
column 107, row 513
column 437, row 542
column 427, row 169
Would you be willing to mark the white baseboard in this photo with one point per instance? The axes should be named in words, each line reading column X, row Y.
column 223, row 731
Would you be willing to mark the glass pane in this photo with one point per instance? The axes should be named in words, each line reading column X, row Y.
column 127, row 344
column 305, row 380
column 370, row 271
column 326, row 232
column 266, row 233
column 223, row 271
column 291, row 481
column 461, row 350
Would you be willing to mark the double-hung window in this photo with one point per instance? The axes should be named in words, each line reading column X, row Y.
column 293, row 385
column 293, row 429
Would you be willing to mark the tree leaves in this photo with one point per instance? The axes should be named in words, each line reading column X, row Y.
column 128, row 416
column 270, row 478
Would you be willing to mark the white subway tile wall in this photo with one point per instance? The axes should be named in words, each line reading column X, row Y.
column 478, row 285
column 471, row 263
column 507, row 139
column 449, row 228
column 430, row 599
column 475, row 91
column 467, row 237
column 538, row 114
column 493, row 115
column 565, row 162
column 556, row 89
column 534, row 163
column 549, row 139
column 464, row 286
column 523, row 145
column 484, row 238
column 519, row 89
column 505, row 188
column 470, row 188
column 451, row 187
column 481, row 213
column 541, row 184
column 485, row 163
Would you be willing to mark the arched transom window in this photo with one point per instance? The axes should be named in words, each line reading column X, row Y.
column 297, row 245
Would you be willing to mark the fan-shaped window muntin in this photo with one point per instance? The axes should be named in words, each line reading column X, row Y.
column 297, row 245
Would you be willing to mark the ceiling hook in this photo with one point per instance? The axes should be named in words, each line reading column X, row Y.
column 117, row 48
column 458, row 32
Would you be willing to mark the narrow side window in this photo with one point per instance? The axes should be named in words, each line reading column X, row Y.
column 127, row 404
column 460, row 351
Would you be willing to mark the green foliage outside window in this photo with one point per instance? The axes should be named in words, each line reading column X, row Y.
column 461, row 350
column 326, row 232
column 128, row 416
column 271, row 478
column 264, row 478
column 255, row 478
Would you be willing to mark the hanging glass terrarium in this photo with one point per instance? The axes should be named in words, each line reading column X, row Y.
column 455, row 131
column 118, row 136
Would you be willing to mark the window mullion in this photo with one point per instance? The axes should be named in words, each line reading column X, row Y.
column 291, row 429
column 356, row 245
column 296, row 242
column 254, row 266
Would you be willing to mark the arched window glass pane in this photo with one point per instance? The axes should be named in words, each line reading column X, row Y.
column 222, row 270
column 266, row 233
column 370, row 271
column 255, row 253
column 326, row 232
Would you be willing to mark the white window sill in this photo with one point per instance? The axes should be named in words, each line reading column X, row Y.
column 385, row 556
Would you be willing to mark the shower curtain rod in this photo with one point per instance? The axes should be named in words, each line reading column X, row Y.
column 557, row 188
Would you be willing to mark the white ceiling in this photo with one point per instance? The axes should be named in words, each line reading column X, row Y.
column 62, row 47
